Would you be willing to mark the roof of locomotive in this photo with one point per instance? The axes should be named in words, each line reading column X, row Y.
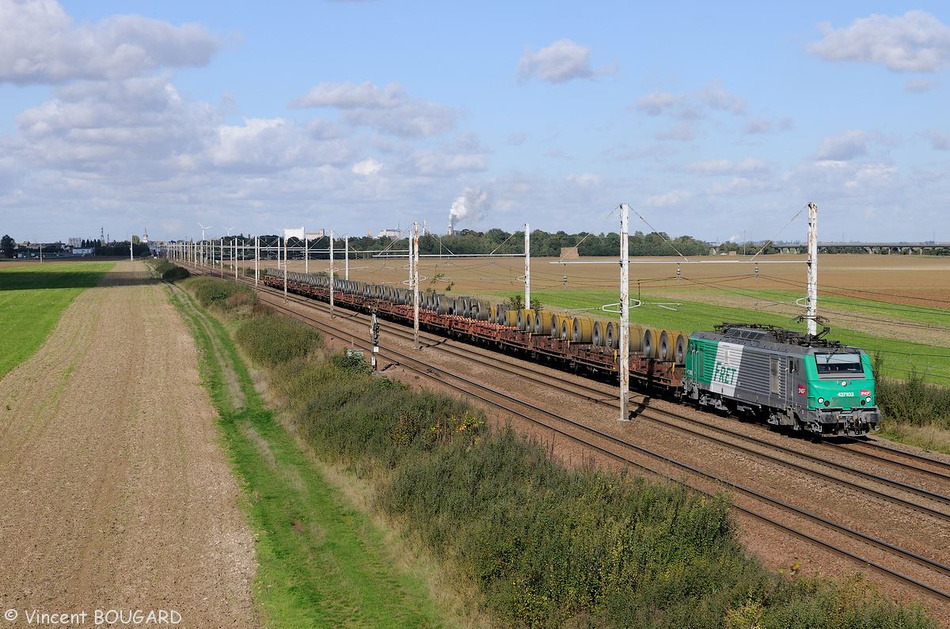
column 771, row 337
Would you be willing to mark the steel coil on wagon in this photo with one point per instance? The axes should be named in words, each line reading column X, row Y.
column 680, row 345
column 443, row 305
column 566, row 326
column 651, row 342
column 582, row 329
column 599, row 336
column 554, row 324
column 664, row 347
column 479, row 310
column 635, row 337
column 522, row 321
column 500, row 314
column 542, row 323
column 672, row 346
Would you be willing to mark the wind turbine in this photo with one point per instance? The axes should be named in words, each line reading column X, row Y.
column 229, row 230
column 203, row 228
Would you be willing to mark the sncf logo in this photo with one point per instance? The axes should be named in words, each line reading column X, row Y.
column 802, row 390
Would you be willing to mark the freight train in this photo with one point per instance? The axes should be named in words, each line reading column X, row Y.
column 784, row 378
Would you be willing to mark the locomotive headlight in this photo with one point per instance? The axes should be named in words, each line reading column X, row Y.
column 868, row 399
column 821, row 400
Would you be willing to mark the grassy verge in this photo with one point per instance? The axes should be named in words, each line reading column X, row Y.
column 321, row 563
column 545, row 546
column 32, row 299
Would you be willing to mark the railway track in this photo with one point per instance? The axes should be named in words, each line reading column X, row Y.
column 905, row 565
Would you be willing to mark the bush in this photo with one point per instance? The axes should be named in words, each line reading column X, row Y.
column 170, row 272
column 911, row 401
column 271, row 340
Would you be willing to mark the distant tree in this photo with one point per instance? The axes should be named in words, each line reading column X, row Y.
column 7, row 245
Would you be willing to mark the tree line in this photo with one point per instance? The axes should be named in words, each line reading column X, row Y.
column 543, row 244
column 8, row 247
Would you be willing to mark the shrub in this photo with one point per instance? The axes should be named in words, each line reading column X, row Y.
column 271, row 340
column 169, row 272
column 911, row 401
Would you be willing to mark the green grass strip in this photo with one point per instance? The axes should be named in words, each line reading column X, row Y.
column 321, row 562
column 33, row 298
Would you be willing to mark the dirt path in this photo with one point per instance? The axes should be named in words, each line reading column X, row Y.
column 114, row 491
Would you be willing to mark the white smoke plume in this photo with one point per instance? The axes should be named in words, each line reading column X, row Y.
column 472, row 204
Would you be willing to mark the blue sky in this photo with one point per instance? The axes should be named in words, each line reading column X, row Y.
column 717, row 120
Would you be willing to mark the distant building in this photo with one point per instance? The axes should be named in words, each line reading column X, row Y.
column 395, row 234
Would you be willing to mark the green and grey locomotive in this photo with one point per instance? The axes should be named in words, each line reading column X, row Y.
column 782, row 377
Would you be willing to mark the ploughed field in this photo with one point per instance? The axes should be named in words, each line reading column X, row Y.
column 116, row 495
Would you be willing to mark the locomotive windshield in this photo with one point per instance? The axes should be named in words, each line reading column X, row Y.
column 839, row 363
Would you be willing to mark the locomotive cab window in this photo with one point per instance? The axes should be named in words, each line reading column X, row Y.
column 839, row 364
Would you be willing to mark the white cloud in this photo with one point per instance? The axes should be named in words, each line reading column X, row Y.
column 584, row 180
column 667, row 199
column 938, row 140
column 714, row 95
column 388, row 110
column 258, row 145
column 517, row 139
column 365, row 95
column 761, row 126
column 847, row 186
column 717, row 167
column 122, row 127
column 681, row 132
column 843, row 147
column 41, row 45
column 562, row 61
column 367, row 167
column 913, row 42
column 691, row 105
column 740, row 186
column 872, row 176
column 440, row 163
column 656, row 103
column 919, row 86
